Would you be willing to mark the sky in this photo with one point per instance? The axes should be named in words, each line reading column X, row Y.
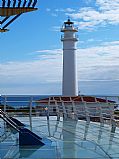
column 31, row 52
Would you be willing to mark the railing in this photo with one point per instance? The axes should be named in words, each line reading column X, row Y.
column 74, row 37
column 24, row 133
column 69, row 28
column 17, row 106
column 67, row 109
column 6, row 118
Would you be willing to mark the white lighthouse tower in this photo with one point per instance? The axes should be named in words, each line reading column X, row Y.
column 69, row 39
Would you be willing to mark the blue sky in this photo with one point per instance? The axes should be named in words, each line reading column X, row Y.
column 31, row 52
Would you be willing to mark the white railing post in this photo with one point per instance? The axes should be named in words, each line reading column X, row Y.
column 47, row 109
column 57, row 111
column 87, row 112
column 5, row 99
column 101, row 114
column 113, row 125
column 74, row 109
column 30, row 112
column 86, row 129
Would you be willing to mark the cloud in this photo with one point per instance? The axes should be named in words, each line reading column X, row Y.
column 69, row 10
column 92, row 18
column 46, row 69
column 101, row 13
column 90, row 40
column 99, row 63
column 48, row 64
column 106, row 13
column 111, row 43
column 56, row 28
column 105, row 5
column 64, row 10
column 104, row 54
column 49, row 52
column 57, row 11
column 48, row 9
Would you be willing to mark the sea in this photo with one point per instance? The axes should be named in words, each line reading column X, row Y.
column 20, row 100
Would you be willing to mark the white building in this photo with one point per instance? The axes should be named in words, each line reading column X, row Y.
column 69, row 39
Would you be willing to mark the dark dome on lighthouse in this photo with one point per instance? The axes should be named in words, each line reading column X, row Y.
column 68, row 22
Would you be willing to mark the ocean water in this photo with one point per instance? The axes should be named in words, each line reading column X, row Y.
column 20, row 100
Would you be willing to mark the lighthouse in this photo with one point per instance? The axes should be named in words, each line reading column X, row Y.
column 69, row 39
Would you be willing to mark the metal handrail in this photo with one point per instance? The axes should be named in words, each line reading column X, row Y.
column 37, row 106
column 6, row 118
